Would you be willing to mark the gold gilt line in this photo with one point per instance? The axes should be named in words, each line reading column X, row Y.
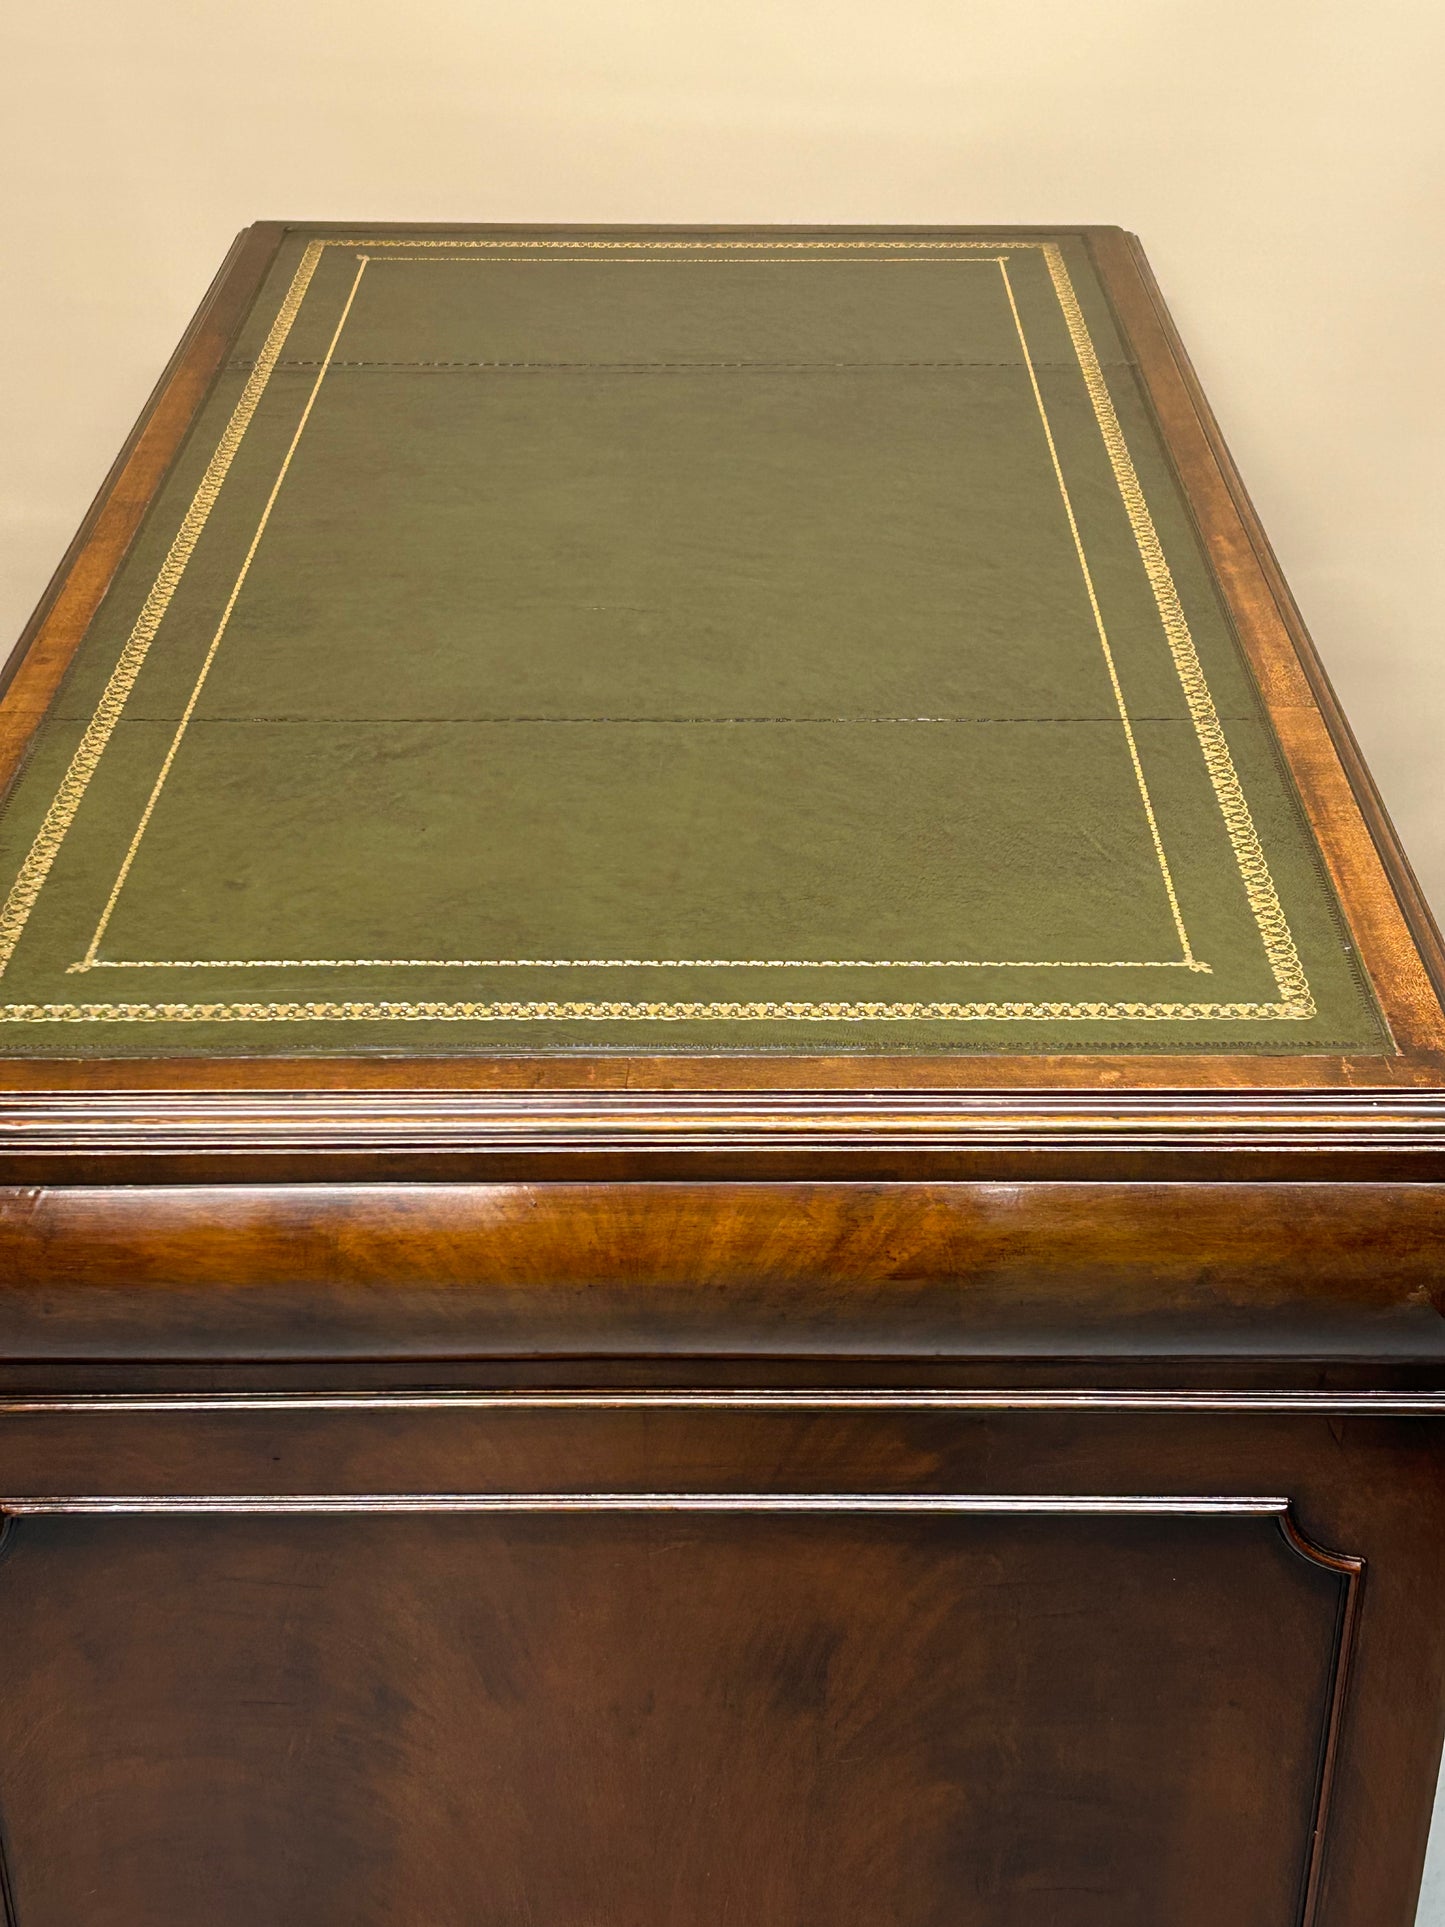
column 673, row 1013
column 1259, row 886
column 633, row 963
column 642, row 261
column 221, row 627
column 645, row 245
column 58, row 818
column 1099, row 627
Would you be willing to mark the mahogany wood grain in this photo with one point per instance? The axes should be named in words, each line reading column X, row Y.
column 438, row 1133
column 902, row 1270
column 809, row 1714
column 727, row 1719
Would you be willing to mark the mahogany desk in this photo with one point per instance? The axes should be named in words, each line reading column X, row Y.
column 722, row 1124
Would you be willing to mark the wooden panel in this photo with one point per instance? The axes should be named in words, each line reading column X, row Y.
column 945, row 1271
column 652, row 1717
column 906, row 1499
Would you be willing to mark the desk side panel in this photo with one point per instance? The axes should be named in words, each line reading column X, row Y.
column 788, row 1665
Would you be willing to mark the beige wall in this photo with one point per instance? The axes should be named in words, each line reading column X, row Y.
column 1281, row 158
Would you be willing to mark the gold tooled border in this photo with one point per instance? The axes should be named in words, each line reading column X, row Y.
column 1296, row 1001
column 1259, row 885
column 666, row 1013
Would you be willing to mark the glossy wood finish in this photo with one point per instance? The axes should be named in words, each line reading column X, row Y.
column 149, row 1136
column 1078, row 1661
column 945, row 1271
column 545, row 1754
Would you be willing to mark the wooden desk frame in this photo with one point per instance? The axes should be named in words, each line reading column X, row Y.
column 1067, row 1286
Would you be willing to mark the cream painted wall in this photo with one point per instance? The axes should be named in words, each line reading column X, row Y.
column 1282, row 160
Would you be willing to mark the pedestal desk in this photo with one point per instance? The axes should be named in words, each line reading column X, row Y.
column 721, row 1123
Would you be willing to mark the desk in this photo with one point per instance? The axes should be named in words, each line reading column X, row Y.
column 722, row 1111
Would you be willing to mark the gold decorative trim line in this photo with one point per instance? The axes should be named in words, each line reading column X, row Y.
column 641, row 261
column 1426, row 1405
column 967, row 1503
column 602, row 1013
column 1254, row 870
column 636, row 963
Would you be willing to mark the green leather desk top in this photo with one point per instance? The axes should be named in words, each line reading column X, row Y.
column 683, row 643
